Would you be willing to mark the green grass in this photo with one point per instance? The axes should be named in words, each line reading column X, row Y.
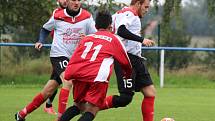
column 183, row 104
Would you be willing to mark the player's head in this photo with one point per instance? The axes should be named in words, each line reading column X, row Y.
column 74, row 5
column 141, row 6
column 62, row 3
column 103, row 20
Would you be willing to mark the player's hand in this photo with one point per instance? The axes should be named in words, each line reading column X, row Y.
column 82, row 35
column 148, row 42
column 38, row 46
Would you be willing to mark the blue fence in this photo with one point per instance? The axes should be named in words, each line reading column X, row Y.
column 145, row 48
column 161, row 49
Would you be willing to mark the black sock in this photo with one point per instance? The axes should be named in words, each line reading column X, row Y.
column 87, row 116
column 48, row 105
column 50, row 99
column 70, row 113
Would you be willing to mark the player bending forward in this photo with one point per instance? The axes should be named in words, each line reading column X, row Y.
column 90, row 69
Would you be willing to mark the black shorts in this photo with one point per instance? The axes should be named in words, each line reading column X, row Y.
column 58, row 66
column 140, row 75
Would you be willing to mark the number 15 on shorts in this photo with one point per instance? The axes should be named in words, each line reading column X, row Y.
column 128, row 83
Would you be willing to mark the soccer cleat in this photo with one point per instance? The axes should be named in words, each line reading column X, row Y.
column 18, row 117
column 50, row 110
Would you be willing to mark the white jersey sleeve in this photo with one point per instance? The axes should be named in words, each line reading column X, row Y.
column 131, row 20
column 91, row 26
column 126, row 18
column 50, row 24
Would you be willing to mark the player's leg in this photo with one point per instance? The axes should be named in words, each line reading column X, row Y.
column 55, row 77
column 48, row 106
column 70, row 113
column 59, row 64
column 64, row 95
column 143, row 83
column 39, row 99
column 148, row 103
column 94, row 98
column 125, row 88
column 51, row 99
column 89, row 112
column 79, row 91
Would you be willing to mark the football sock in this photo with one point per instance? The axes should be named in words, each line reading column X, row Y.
column 70, row 113
column 63, row 99
column 50, row 99
column 36, row 102
column 108, row 103
column 148, row 108
column 87, row 116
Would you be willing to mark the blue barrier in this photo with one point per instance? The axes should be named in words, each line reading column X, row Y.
column 23, row 44
column 145, row 48
column 162, row 55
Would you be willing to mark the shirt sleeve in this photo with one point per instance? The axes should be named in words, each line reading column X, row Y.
column 49, row 25
column 120, row 54
column 43, row 35
column 126, row 19
column 91, row 26
column 126, row 34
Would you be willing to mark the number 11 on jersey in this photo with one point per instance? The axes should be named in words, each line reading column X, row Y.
column 88, row 48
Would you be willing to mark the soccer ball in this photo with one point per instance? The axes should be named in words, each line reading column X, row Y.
column 167, row 119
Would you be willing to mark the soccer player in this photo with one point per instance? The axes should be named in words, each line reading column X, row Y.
column 62, row 4
column 91, row 66
column 69, row 24
column 127, row 24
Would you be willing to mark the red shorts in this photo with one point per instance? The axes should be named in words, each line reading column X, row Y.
column 92, row 92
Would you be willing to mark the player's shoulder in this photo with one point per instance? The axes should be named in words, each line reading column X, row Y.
column 58, row 13
column 85, row 13
column 103, row 35
column 117, row 38
column 127, row 11
column 58, row 10
column 114, row 38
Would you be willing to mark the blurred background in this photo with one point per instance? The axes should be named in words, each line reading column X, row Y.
column 171, row 23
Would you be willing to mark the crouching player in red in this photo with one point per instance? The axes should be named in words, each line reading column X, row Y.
column 90, row 69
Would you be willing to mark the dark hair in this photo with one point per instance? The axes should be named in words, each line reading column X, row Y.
column 103, row 19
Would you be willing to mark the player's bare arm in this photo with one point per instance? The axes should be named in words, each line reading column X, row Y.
column 82, row 35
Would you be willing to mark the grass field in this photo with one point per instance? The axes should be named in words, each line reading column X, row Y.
column 182, row 104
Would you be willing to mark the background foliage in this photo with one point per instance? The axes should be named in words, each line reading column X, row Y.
column 22, row 20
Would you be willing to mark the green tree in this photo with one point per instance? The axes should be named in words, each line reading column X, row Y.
column 211, row 8
column 22, row 19
column 25, row 16
column 210, row 60
column 173, row 35
column 109, row 5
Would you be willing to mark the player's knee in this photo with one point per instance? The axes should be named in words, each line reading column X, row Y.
column 67, row 84
column 149, row 91
column 122, row 100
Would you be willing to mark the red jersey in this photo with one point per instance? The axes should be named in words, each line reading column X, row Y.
column 93, row 59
